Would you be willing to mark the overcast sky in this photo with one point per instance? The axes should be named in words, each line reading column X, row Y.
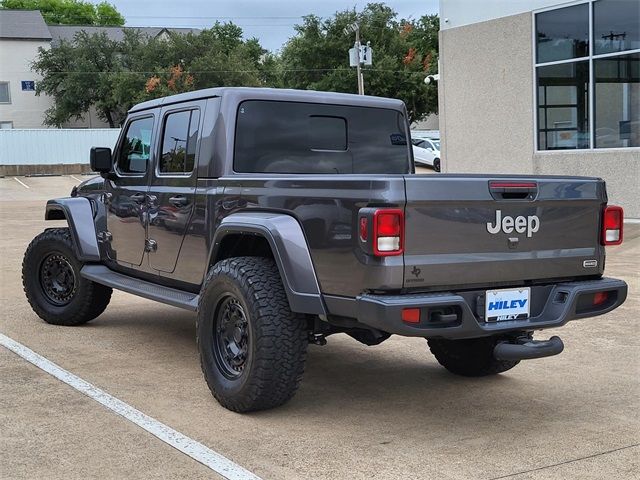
column 271, row 21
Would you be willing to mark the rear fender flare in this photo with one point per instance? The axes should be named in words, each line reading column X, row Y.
column 78, row 213
column 290, row 251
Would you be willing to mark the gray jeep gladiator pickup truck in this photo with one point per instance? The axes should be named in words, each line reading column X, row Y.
column 282, row 217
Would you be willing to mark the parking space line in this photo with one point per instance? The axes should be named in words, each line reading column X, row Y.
column 76, row 179
column 199, row 452
column 21, row 183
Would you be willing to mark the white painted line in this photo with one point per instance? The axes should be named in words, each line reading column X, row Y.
column 21, row 183
column 216, row 462
column 632, row 220
column 76, row 179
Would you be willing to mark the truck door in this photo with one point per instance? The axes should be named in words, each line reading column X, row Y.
column 173, row 183
column 126, row 215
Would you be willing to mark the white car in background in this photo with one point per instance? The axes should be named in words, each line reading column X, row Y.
column 426, row 151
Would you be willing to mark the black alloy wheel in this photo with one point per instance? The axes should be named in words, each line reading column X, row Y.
column 231, row 341
column 57, row 279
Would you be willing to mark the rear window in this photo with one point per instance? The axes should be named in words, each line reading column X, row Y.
column 291, row 137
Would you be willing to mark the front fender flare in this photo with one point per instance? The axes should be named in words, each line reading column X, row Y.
column 290, row 250
column 79, row 215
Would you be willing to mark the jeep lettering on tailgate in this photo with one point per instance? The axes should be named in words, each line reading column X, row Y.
column 519, row 224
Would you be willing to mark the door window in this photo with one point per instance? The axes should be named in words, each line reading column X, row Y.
column 179, row 140
column 136, row 146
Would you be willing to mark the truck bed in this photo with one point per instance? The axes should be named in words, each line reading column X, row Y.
column 447, row 242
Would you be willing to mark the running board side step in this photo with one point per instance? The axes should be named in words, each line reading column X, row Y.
column 105, row 276
column 528, row 349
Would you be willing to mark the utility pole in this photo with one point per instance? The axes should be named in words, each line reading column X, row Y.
column 358, row 66
column 355, row 28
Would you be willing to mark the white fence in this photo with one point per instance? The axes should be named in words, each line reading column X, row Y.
column 52, row 146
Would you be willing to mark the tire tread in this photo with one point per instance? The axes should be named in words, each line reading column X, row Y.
column 280, row 335
column 93, row 300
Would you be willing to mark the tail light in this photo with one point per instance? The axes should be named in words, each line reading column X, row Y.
column 381, row 231
column 388, row 230
column 612, row 221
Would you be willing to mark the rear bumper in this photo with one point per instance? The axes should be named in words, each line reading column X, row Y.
column 459, row 315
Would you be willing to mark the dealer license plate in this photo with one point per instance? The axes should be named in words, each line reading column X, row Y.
column 509, row 304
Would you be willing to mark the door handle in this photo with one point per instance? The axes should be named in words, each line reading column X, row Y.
column 138, row 197
column 179, row 201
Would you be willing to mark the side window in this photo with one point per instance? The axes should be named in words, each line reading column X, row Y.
column 179, row 139
column 136, row 147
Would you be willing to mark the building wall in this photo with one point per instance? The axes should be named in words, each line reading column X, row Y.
column 485, row 96
column 486, row 112
column 26, row 109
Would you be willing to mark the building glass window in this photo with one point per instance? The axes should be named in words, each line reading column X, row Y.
column 5, row 95
column 616, row 26
column 617, row 101
column 563, row 33
column 587, row 75
column 563, row 106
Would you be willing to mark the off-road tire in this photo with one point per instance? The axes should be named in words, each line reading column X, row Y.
column 276, row 342
column 88, row 300
column 471, row 357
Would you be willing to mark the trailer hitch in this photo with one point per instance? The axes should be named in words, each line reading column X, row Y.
column 525, row 348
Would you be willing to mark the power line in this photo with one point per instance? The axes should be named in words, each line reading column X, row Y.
column 216, row 18
column 343, row 69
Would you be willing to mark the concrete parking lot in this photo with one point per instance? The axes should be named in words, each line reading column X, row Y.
column 362, row 412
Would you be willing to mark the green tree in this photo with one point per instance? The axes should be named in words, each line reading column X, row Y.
column 95, row 71
column 404, row 51
column 90, row 71
column 69, row 12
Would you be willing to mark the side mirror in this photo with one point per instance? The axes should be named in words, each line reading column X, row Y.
column 100, row 159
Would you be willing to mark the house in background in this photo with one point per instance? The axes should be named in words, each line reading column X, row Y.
column 22, row 32
column 543, row 87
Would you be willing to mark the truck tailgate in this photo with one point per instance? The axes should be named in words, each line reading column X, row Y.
column 464, row 230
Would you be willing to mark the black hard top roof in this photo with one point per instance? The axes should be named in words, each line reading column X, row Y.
column 250, row 93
